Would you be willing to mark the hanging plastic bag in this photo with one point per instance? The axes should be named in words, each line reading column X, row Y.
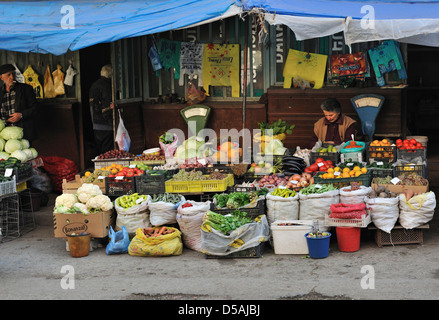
column 122, row 136
column 155, row 58
column 58, row 81
column 119, row 241
column 18, row 75
column 307, row 66
column 31, row 78
column 194, row 95
column 49, row 87
column 70, row 73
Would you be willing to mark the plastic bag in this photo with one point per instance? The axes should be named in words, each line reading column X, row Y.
column 49, row 87
column 247, row 236
column 279, row 208
column 354, row 196
column 165, row 245
column 317, row 206
column 134, row 217
column 169, row 148
column 58, row 81
column 122, row 136
column 18, row 75
column 31, row 78
column 384, row 212
column 417, row 211
column 70, row 73
column 162, row 213
column 119, row 241
column 307, row 66
column 59, row 168
column 194, row 95
column 189, row 220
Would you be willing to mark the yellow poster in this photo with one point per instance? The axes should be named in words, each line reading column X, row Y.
column 221, row 66
column 306, row 66
column 31, row 78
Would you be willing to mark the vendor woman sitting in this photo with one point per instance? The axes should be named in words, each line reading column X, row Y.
column 334, row 128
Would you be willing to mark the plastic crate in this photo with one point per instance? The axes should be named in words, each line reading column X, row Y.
column 373, row 153
column 411, row 154
column 398, row 235
column 223, row 168
column 21, row 174
column 251, row 212
column 354, row 156
column 100, row 163
column 254, row 252
column 380, row 172
column 239, row 188
column 333, row 156
column 8, row 187
column 152, row 182
column 339, row 222
column 363, row 179
column 419, row 169
column 199, row 185
column 115, row 187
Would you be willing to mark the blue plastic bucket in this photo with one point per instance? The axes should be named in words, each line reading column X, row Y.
column 318, row 247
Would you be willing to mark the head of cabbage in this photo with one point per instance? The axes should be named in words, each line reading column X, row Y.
column 9, row 133
column 12, row 145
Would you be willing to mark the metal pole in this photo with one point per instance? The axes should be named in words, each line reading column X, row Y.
column 113, row 67
column 244, row 93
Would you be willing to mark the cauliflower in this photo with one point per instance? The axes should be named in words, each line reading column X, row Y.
column 63, row 209
column 87, row 191
column 66, row 199
column 99, row 203
column 80, row 207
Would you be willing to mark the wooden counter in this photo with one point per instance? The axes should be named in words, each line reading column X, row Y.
column 302, row 108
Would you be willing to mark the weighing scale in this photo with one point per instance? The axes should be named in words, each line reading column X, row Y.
column 197, row 116
column 368, row 106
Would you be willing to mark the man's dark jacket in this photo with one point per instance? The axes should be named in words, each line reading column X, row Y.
column 26, row 104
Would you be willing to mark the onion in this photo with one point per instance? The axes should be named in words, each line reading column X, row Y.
column 296, row 177
column 307, row 175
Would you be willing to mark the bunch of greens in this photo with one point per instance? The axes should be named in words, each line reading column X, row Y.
column 167, row 138
column 278, row 127
column 234, row 200
column 317, row 188
column 226, row 223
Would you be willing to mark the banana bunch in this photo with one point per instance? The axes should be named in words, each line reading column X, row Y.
column 283, row 192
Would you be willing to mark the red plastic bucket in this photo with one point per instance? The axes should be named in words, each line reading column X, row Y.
column 348, row 238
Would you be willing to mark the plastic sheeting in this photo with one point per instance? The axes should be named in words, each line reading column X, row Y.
column 58, row 26
column 407, row 21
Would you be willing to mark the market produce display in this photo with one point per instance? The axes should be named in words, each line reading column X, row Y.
column 149, row 157
column 408, row 144
column 157, row 232
column 317, row 234
column 234, row 200
column 88, row 199
column 283, row 192
column 13, row 145
column 329, row 148
column 320, row 164
column 115, row 154
column 166, row 197
column 128, row 201
column 317, row 188
column 226, row 223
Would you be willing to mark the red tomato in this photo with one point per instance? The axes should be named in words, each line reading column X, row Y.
column 323, row 168
column 413, row 141
column 329, row 163
column 406, row 141
column 319, row 160
column 314, row 167
column 398, row 141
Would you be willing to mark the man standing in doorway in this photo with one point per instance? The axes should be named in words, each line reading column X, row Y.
column 101, row 108
column 18, row 102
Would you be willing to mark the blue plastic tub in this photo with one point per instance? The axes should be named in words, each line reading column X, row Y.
column 318, row 247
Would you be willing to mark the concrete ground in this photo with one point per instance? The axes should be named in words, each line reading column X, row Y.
column 36, row 266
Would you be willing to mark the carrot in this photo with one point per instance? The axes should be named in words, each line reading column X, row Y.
column 162, row 229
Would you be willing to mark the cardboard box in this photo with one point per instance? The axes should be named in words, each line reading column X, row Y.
column 97, row 224
column 396, row 188
column 72, row 186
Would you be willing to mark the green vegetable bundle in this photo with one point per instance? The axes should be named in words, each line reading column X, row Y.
column 234, row 200
column 317, row 188
column 226, row 223
column 166, row 197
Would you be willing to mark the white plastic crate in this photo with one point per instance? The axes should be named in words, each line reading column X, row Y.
column 8, row 187
column 354, row 156
column 290, row 239
column 340, row 222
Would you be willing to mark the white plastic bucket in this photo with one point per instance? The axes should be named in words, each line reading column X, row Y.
column 290, row 239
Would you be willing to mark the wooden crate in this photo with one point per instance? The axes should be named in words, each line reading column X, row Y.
column 398, row 235
column 72, row 186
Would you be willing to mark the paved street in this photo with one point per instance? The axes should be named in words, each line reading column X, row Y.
column 36, row 266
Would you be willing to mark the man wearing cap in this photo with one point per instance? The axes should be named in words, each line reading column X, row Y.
column 18, row 102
